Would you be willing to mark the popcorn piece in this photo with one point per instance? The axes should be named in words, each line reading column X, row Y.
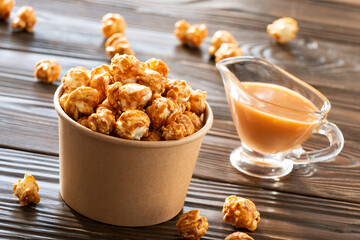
column 219, row 38
column 190, row 34
column 198, row 101
column 83, row 121
column 241, row 213
column 238, row 236
column 100, row 79
column 125, row 68
column 113, row 23
column 283, row 29
column 106, row 105
column 75, row 77
column 179, row 128
column 227, row 50
column 191, row 225
column 154, row 135
column 5, row 8
column 118, row 43
column 27, row 190
column 162, row 111
column 26, row 19
column 63, row 100
column 133, row 124
column 179, row 90
column 81, row 101
column 196, row 121
column 157, row 65
column 47, row 71
column 103, row 121
column 154, row 80
column 129, row 96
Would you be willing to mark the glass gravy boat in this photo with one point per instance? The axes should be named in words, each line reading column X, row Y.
column 274, row 113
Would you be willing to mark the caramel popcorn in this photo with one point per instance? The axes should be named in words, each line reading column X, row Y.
column 157, row 65
column 113, row 23
column 180, row 128
column 238, row 236
column 25, row 20
column 118, row 43
column 27, row 190
column 241, row 213
column 192, row 226
column 283, row 29
column 47, row 71
column 100, row 79
column 125, row 68
column 133, row 124
column 198, row 101
column 154, row 135
column 75, row 77
column 81, row 102
column 5, row 8
column 103, row 121
column 219, row 38
column 190, row 34
column 227, row 50
column 179, row 90
column 129, row 96
column 168, row 109
column 162, row 111
column 154, row 80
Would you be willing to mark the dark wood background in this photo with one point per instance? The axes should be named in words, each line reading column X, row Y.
column 320, row 201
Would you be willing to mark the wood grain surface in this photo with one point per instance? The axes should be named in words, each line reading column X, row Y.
column 320, row 201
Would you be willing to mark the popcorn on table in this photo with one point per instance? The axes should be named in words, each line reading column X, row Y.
column 238, row 236
column 47, row 71
column 192, row 226
column 25, row 20
column 5, row 8
column 241, row 213
column 27, row 190
column 283, row 29
column 118, row 43
column 227, row 50
column 133, row 100
column 190, row 34
column 113, row 23
column 218, row 39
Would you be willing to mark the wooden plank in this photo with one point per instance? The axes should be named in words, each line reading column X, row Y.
column 283, row 215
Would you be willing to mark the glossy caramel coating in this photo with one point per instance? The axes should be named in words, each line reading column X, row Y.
column 133, row 124
column 192, row 226
column 26, row 190
column 100, row 79
column 74, row 78
column 118, row 43
column 47, row 71
column 25, row 20
column 81, row 101
column 219, row 38
column 112, row 23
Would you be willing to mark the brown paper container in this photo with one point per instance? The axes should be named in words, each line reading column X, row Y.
column 125, row 182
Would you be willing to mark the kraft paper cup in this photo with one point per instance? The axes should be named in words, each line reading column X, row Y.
column 125, row 182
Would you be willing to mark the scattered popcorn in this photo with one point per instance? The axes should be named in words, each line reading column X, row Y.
column 178, row 90
column 191, row 225
column 5, row 8
column 100, row 79
column 162, row 111
column 283, row 29
column 146, row 105
column 157, row 65
column 125, row 68
column 47, row 71
column 198, row 101
column 118, row 43
column 190, row 34
column 241, row 213
column 133, row 124
column 154, row 135
column 219, row 38
column 238, row 236
column 129, row 96
column 81, row 101
column 227, row 50
column 75, row 77
column 113, row 23
column 25, row 20
column 27, row 190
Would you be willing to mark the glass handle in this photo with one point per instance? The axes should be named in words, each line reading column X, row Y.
column 336, row 139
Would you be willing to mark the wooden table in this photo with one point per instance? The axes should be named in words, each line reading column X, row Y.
column 314, row 202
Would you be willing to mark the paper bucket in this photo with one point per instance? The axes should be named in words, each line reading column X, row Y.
column 125, row 182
